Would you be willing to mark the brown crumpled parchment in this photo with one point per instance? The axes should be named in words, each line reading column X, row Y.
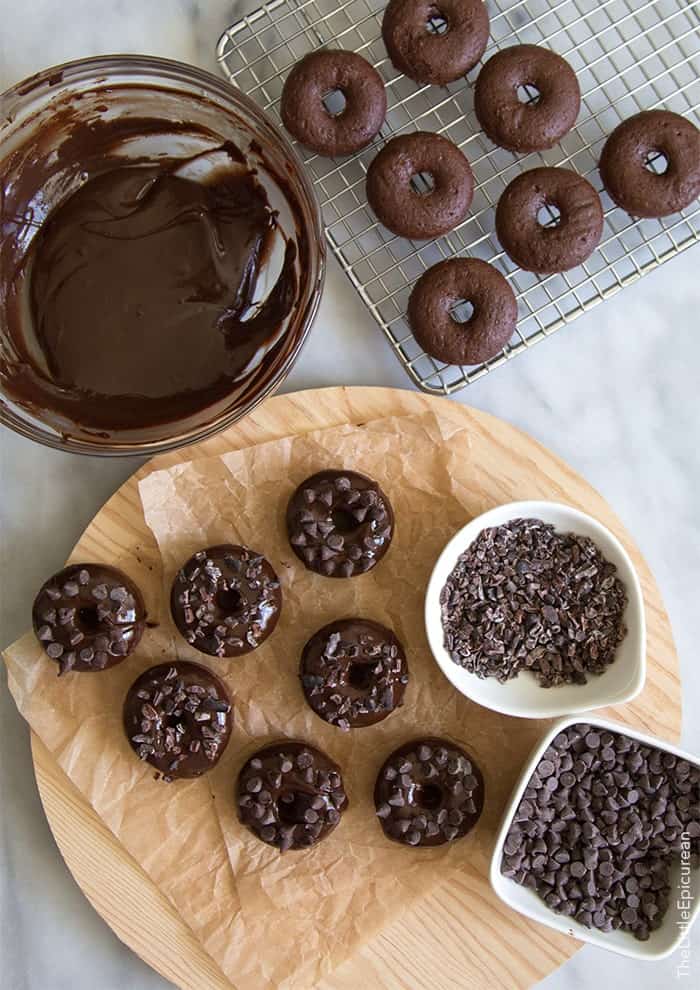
column 271, row 920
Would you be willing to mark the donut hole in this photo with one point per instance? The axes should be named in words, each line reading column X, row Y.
column 343, row 520
column 88, row 619
column 528, row 94
column 656, row 162
column 360, row 676
column 423, row 183
column 228, row 600
column 549, row 216
column 293, row 805
column 437, row 23
column 428, row 796
column 462, row 310
column 334, row 102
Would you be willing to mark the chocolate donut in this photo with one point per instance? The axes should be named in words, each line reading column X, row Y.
column 304, row 113
column 432, row 57
column 549, row 249
column 88, row 617
column 340, row 523
column 354, row 673
column 631, row 185
column 178, row 718
column 428, row 792
column 402, row 209
column 485, row 333
column 534, row 125
column 226, row 600
column 290, row 795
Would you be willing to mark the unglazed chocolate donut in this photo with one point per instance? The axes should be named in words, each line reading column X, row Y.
column 428, row 792
column 340, row 523
column 178, row 718
column 290, row 795
column 226, row 600
column 543, row 249
column 531, row 126
column 354, row 673
column 88, row 617
column 437, row 58
column 305, row 115
column 491, row 324
column 634, row 187
column 397, row 204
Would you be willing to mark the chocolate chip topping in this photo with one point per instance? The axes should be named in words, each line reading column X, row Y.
column 226, row 600
column 340, row 523
column 428, row 792
column 599, row 825
column 525, row 597
column 354, row 673
column 88, row 617
column 290, row 795
column 178, row 717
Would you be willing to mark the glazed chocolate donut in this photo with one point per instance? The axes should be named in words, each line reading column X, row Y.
column 226, row 600
column 306, row 117
column 339, row 523
column 397, row 204
column 549, row 249
column 429, row 57
column 178, row 718
column 428, row 792
column 290, row 795
column 631, row 185
column 354, row 673
column 88, row 617
column 490, row 326
column 531, row 126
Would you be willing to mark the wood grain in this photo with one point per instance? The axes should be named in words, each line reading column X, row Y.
column 459, row 938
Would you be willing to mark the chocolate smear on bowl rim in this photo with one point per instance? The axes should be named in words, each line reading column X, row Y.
column 523, row 596
column 178, row 717
column 599, row 826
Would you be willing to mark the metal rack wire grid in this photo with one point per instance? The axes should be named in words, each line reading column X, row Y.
column 629, row 55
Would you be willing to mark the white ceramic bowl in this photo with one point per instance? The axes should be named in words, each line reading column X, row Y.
column 675, row 927
column 523, row 696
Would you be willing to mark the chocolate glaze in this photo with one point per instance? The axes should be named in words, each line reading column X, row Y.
column 178, row 718
column 137, row 301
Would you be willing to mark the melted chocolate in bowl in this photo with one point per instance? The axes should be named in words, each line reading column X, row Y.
column 159, row 268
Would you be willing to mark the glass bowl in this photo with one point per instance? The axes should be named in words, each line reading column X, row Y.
column 134, row 86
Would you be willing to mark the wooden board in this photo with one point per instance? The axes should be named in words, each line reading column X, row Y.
column 458, row 938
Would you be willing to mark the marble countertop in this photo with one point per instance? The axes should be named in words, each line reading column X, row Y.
column 616, row 395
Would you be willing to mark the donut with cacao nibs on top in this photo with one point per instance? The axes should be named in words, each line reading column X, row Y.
column 178, row 718
column 339, row 523
column 428, row 792
column 226, row 600
column 88, row 617
column 354, row 673
column 290, row 795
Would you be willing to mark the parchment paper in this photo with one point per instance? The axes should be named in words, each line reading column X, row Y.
column 270, row 920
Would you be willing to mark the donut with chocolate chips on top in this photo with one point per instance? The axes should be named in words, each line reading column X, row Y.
column 88, row 617
column 339, row 523
column 290, row 795
column 226, row 600
column 428, row 792
column 354, row 673
column 178, row 718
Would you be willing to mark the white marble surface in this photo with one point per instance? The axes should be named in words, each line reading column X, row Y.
column 616, row 394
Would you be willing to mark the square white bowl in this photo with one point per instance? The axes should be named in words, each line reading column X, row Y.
column 675, row 926
column 523, row 696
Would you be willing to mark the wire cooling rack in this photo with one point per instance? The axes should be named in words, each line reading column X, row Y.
column 629, row 55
